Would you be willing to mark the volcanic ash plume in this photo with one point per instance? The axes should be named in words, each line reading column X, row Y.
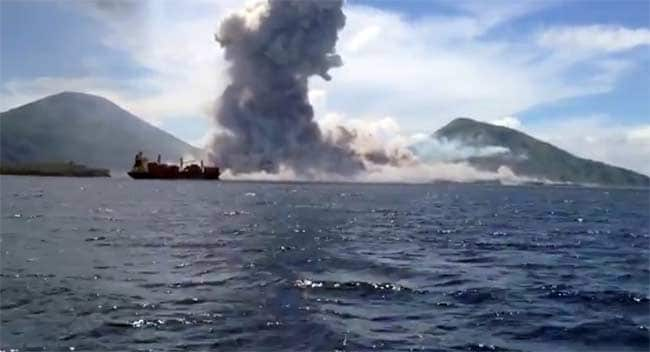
column 274, row 47
column 269, row 130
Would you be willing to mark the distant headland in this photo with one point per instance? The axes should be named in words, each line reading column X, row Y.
column 53, row 169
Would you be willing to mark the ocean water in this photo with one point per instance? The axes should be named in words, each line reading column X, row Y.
column 123, row 265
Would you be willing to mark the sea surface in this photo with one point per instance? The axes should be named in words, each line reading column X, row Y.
column 123, row 265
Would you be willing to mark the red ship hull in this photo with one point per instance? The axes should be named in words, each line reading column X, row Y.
column 179, row 176
column 157, row 171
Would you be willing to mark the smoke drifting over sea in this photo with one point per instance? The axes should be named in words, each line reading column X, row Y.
column 268, row 127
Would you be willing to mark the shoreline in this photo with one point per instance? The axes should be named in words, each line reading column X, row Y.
column 53, row 169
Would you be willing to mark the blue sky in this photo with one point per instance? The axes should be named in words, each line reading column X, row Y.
column 576, row 73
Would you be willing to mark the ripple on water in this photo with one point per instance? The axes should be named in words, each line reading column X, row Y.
column 606, row 298
column 481, row 347
column 361, row 287
column 596, row 333
column 479, row 295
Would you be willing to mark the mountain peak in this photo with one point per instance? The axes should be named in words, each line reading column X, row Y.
column 68, row 98
column 461, row 119
column 531, row 157
column 472, row 132
column 76, row 96
column 84, row 128
column 71, row 93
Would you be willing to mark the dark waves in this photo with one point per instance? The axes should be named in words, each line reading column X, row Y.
column 115, row 265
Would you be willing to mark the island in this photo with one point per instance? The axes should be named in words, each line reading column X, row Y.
column 70, row 169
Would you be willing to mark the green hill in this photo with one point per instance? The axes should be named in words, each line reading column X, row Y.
column 83, row 128
column 531, row 157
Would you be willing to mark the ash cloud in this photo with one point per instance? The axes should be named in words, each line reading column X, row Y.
column 268, row 121
column 268, row 128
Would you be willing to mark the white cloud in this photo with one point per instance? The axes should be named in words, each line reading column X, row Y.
column 188, row 68
column 186, row 65
column 594, row 37
column 363, row 37
column 507, row 121
column 423, row 72
column 18, row 92
column 427, row 71
column 640, row 134
column 599, row 138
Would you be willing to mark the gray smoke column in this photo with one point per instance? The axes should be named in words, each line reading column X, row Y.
column 273, row 48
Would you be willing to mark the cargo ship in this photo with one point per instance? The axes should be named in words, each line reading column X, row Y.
column 144, row 169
